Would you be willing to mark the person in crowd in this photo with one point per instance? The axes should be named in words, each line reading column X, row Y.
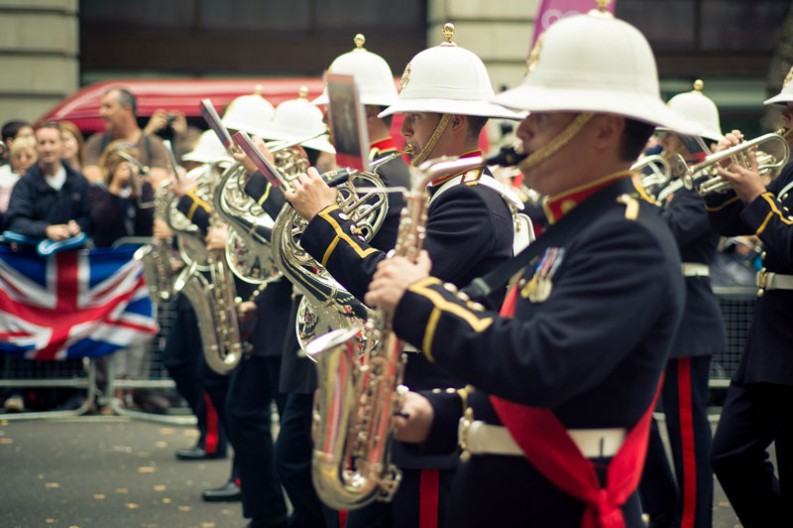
column 49, row 202
column 686, row 499
column 115, row 207
column 73, row 144
column 445, row 100
column 754, row 414
column 22, row 156
column 116, row 212
column 119, row 112
column 563, row 380
column 51, row 199
column 11, row 130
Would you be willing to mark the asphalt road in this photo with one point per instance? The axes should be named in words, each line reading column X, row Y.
column 117, row 472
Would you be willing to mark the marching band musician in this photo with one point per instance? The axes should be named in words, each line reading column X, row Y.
column 689, row 503
column 298, row 375
column 255, row 382
column 754, row 413
column 444, row 97
column 555, row 430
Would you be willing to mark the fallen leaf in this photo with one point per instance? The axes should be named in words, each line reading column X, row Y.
column 160, row 444
column 184, row 508
column 99, row 496
column 52, row 485
column 147, row 469
column 49, row 521
column 166, row 500
column 6, row 440
column 122, row 490
column 132, row 506
column 159, row 487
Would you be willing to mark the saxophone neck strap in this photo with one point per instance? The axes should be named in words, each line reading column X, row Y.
column 554, row 235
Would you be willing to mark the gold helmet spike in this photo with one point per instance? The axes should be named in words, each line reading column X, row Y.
column 258, row 89
column 359, row 40
column 698, row 85
column 601, row 9
column 302, row 93
column 448, row 34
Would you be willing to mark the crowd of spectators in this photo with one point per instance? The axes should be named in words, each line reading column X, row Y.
column 55, row 184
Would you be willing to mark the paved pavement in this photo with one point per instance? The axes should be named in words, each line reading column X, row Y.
column 117, row 472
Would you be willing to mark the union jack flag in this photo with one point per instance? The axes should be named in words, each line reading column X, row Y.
column 73, row 304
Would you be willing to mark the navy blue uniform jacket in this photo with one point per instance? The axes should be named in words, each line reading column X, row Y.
column 702, row 331
column 767, row 356
column 593, row 351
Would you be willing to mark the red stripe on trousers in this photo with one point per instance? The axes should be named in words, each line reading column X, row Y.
column 689, row 477
column 428, row 498
column 213, row 434
column 343, row 518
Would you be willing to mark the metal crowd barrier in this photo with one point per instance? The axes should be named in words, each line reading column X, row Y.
column 737, row 306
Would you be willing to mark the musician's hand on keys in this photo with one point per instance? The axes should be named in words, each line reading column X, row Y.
column 57, row 232
column 392, row 278
column 161, row 231
column 746, row 183
column 246, row 311
column 413, row 422
column 216, row 238
column 311, row 194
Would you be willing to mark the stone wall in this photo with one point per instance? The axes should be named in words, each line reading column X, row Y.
column 39, row 55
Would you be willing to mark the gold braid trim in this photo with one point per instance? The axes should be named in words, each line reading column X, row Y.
column 537, row 157
column 430, row 146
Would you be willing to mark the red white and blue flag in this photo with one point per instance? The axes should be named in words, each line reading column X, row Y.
column 73, row 304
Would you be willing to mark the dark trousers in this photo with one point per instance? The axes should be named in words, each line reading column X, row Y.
column 183, row 357
column 686, row 501
column 754, row 416
column 216, row 387
column 421, row 501
column 293, row 451
column 253, row 388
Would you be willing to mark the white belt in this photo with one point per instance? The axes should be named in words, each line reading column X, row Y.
column 410, row 349
column 695, row 269
column 766, row 280
column 479, row 438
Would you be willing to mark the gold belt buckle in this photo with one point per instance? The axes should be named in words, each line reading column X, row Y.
column 468, row 420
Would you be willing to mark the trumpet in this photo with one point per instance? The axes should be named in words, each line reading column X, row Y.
column 654, row 171
column 771, row 151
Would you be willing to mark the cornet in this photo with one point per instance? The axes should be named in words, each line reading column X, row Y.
column 771, row 150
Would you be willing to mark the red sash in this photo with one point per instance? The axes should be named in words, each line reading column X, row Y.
column 559, row 460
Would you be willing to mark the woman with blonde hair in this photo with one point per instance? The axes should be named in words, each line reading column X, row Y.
column 22, row 156
column 73, row 143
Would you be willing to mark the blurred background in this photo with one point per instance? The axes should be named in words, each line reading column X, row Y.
column 51, row 48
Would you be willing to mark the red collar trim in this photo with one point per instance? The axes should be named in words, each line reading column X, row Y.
column 557, row 206
column 444, row 179
column 382, row 145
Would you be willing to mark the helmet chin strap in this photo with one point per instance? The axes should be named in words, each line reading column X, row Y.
column 425, row 152
column 564, row 137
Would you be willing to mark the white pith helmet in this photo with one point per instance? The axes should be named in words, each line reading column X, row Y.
column 371, row 72
column 594, row 63
column 786, row 94
column 698, row 107
column 295, row 120
column 248, row 112
column 208, row 149
column 447, row 79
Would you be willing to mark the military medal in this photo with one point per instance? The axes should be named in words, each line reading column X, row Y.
column 538, row 289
